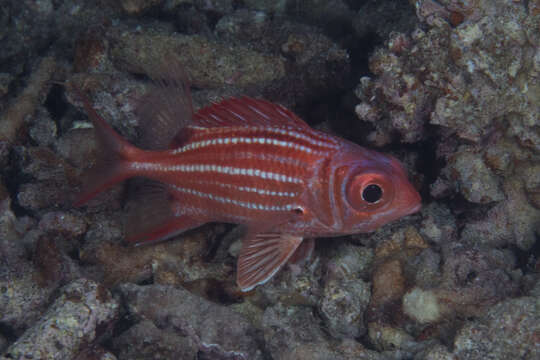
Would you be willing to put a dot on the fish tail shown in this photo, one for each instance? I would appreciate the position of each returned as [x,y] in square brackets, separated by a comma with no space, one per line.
[113,157]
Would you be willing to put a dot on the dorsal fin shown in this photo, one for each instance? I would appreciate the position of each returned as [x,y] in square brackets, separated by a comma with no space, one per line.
[166,108]
[247,111]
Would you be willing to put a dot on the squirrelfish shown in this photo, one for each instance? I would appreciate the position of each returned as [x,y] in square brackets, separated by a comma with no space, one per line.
[252,162]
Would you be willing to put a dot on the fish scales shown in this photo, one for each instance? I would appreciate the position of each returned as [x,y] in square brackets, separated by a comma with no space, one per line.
[224,176]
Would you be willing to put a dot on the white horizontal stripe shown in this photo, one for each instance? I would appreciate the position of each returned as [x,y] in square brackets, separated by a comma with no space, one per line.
[299,166]
[236,219]
[227,170]
[225,200]
[243,140]
[329,144]
[264,192]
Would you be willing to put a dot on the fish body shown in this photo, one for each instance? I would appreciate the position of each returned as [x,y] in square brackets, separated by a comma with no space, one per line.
[252,162]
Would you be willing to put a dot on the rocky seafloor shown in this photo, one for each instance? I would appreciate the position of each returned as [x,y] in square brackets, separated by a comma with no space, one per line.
[450,87]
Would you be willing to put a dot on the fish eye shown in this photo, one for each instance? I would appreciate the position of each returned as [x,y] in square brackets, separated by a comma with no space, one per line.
[372,193]
[369,190]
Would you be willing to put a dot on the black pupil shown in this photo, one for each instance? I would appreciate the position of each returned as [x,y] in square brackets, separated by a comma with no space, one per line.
[372,193]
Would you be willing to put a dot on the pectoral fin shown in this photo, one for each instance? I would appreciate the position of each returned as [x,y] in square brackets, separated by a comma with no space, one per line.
[261,257]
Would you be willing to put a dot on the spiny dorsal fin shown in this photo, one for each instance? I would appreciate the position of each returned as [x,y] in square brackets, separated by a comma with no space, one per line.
[247,111]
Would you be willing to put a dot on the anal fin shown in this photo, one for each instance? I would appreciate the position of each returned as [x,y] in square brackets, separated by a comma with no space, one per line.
[154,214]
[163,231]
[261,257]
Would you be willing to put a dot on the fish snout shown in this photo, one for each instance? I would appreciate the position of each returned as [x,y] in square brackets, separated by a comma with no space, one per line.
[410,201]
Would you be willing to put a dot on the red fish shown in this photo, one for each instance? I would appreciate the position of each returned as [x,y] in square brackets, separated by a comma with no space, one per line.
[252,162]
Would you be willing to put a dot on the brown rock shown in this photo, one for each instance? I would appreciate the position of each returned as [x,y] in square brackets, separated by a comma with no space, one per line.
[388,283]
[413,239]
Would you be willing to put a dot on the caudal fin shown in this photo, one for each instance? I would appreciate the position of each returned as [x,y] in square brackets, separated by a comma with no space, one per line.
[113,154]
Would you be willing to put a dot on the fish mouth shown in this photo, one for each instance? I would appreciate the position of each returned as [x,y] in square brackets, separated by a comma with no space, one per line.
[412,202]
[407,210]
[414,208]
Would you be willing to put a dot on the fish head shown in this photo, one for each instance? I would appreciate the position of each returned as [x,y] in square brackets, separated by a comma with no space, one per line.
[375,190]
